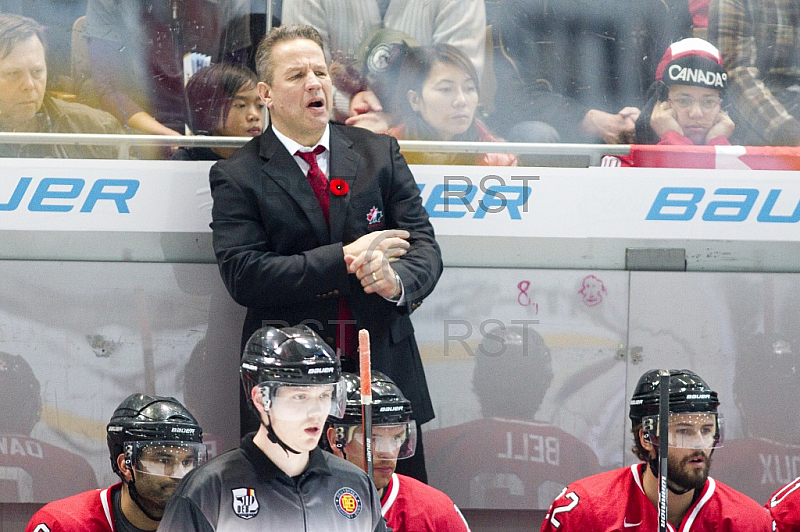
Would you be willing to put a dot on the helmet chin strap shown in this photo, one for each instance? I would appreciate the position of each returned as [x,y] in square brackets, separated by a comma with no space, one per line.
[274,438]
[135,497]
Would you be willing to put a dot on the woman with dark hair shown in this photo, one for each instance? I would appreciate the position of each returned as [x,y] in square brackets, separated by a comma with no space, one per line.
[223,102]
[438,89]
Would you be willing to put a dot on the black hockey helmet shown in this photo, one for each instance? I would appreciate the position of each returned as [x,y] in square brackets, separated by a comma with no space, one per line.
[144,418]
[389,408]
[22,402]
[290,356]
[389,405]
[688,393]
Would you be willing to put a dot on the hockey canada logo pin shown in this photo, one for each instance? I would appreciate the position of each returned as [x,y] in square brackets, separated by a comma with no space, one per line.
[374,217]
[245,503]
[348,503]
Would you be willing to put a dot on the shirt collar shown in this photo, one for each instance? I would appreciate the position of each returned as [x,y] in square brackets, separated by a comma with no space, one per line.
[292,146]
[266,469]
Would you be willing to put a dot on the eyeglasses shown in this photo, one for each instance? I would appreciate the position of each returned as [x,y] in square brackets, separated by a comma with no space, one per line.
[685,102]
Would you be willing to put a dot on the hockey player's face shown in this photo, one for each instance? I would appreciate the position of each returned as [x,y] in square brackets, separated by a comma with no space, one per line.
[386,443]
[298,414]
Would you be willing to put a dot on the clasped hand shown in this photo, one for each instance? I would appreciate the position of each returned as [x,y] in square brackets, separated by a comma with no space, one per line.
[370,258]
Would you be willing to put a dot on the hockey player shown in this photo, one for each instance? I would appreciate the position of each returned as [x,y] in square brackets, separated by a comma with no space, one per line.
[406,503]
[784,507]
[36,471]
[508,459]
[627,498]
[153,442]
[278,479]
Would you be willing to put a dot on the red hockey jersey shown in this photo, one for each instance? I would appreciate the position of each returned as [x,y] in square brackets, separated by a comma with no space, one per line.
[35,471]
[615,500]
[757,466]
[784,506]
[505,463]
[89,511]
[408,505]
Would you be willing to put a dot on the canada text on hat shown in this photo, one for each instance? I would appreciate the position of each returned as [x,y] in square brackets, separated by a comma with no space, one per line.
[692,62]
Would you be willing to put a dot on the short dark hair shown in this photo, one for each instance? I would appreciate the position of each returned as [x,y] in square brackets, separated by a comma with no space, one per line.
[277,35]
[211,91]
[16,28]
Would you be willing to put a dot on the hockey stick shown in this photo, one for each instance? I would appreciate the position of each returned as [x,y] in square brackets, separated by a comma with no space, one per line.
[365,370]
[663,448]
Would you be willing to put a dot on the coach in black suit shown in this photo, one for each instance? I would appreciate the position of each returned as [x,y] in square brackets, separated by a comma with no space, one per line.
[358,248]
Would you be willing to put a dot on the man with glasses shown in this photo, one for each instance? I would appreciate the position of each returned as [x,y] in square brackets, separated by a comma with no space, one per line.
[627,498]
[406,503]
[153,442]
[278,479]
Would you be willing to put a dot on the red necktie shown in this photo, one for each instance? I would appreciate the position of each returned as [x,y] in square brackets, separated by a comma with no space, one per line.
[346,332]
[317,179]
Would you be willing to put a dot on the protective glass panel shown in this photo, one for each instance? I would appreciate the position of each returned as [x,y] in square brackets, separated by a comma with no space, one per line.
[295,402]
[395,440]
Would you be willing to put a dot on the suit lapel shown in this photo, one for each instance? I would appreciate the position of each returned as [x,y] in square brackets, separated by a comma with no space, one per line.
[343,165]
[281,168]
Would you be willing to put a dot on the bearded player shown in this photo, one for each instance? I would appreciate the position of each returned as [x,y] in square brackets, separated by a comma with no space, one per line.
[627,498]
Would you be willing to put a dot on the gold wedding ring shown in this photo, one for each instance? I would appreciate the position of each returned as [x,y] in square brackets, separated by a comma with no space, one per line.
[374,277]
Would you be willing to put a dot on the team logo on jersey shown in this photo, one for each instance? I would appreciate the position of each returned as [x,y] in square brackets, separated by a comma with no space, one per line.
[245,503]
[348,502]
[374,216]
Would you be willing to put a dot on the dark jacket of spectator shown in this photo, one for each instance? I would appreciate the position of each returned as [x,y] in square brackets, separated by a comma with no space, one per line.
[59,116]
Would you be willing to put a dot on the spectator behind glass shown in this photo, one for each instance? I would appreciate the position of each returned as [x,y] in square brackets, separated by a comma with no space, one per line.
[345,26]
[223,102]
[760,46]
[581,67]
[684,105]
[137,48]
[39,472]
[25,106]
[441,88]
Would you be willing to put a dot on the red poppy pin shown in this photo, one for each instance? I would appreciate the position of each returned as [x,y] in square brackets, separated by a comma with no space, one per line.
[339,187]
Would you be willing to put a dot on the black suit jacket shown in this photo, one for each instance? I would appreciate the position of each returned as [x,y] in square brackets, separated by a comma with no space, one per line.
[279,259]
